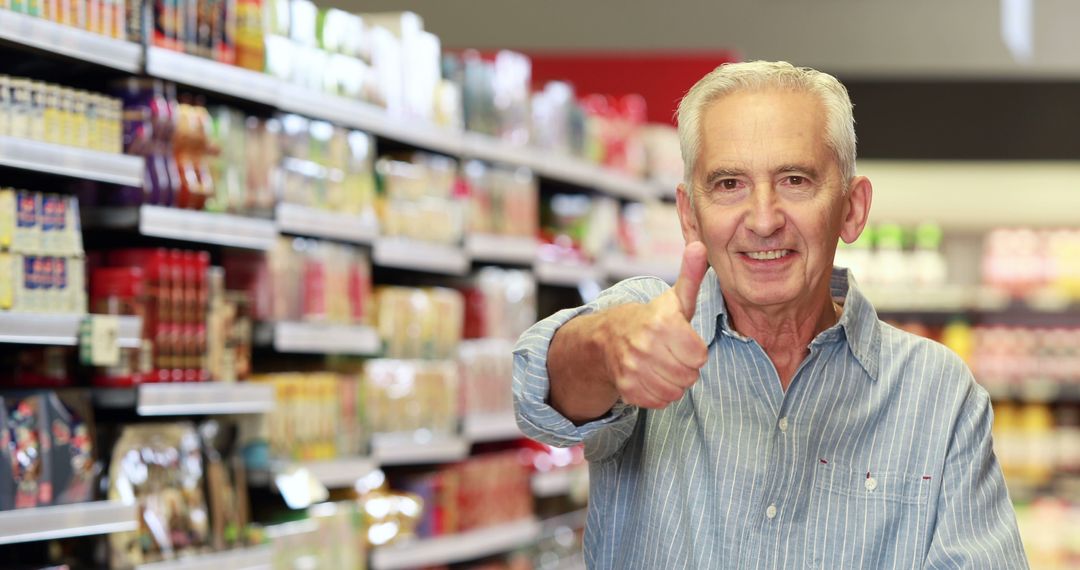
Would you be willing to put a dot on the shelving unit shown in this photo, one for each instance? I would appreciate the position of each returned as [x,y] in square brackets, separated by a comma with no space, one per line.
[60,330]
[618,267]
[558,481]
[396,450]
[480,428]
[418,255]
[501,249]
[566,274]
[319,338]
[65,521]
[318,223]
[252,558]
[187,225]
[456,548]
[70,161]
[70,42]
[212,76]
[189,398]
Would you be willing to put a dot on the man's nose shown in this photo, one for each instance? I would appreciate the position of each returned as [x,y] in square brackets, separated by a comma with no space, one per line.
[765,217]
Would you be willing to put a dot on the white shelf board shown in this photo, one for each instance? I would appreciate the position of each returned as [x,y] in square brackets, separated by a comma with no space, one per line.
[419,255]
[491,427]
[252,558]
[456,547]
[60,330]
[207,227]
[64,521]
[558,481]
[491,149]
[212,76]
[565,274]
[71,161]
[339,473]
[319,223]
[322,338]
[624,186]
[70,41]
[501,249]
[204,398]
[619,267]
[400,450]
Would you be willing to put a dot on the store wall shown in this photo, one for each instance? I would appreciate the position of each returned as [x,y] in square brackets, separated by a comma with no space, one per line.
[851,37]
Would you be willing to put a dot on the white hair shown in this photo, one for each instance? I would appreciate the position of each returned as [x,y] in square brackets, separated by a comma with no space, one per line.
[760,75]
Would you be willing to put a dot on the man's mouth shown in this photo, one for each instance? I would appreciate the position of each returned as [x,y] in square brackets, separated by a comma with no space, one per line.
[768,255]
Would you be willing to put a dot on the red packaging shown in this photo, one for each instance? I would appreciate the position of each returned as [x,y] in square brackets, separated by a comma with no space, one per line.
[123,291]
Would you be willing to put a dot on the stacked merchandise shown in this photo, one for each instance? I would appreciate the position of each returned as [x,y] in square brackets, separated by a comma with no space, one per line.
[42,266]
[191,498]
[105,17]
[331,536]
[1024,262]
[327,167]
[482,491]
[575,228]
[650,233]
[50,113]
[46,449]
[891,257]
[502,201]
[317,416]
[304,280]
[421,198]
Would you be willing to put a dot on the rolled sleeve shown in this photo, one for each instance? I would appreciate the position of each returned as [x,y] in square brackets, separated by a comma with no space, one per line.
[536,418]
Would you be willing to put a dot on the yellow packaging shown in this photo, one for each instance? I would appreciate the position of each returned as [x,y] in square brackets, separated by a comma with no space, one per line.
[5,104]
[7,217]
[67,115]
[19,124]
[52,115]
[115,141]
[80,129]
[7,281]
[36,98]
[94,21]
[93,122]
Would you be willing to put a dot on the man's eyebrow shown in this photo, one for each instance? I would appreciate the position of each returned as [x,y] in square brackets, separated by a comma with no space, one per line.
[719,173]
[804,168]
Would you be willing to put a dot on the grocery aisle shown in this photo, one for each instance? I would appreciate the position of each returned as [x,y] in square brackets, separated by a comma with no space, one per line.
[259,289]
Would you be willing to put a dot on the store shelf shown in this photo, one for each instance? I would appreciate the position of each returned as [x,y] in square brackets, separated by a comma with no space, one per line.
[491,149]
[319,223]
[71,161]
[65,521]
[501,249]
[558,482]
[339,473]
[212,76]
[319,338]
[457,547]
[418,255]
[619,267]
[254,558]
[399,450]
[479,428]
[187,225]
[60,330]
[69,41]
[566,274]
[1035,391]
[189,398]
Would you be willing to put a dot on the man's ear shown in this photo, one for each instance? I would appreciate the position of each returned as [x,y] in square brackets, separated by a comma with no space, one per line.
[856,208]
[687,215]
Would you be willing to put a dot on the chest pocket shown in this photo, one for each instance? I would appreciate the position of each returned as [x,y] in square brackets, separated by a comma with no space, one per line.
[863,520]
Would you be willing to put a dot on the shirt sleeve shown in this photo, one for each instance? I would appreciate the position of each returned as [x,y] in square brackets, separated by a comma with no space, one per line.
[976,525]
[536,418]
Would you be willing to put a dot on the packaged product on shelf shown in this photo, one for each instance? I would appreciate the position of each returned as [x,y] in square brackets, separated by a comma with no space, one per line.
[650,232]
[159,468]
[58,115]
[25,428]
[502,201]
[8,477]
[501,304]
[419,323]
[226,485]
[228,330]
[421,198]
[404,397]
[576,228]
[318,416]
[663,160]
[69,423]
[486,368]
[250,45]
[327,167]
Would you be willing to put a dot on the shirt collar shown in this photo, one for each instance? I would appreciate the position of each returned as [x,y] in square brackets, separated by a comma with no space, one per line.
[858,322]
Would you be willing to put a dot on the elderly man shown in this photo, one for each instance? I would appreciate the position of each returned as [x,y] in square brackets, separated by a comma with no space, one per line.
[758,414]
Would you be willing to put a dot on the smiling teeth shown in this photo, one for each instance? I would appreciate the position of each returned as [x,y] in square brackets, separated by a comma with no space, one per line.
[766,255]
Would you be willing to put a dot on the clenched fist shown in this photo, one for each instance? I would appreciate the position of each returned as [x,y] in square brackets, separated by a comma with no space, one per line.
[657,355]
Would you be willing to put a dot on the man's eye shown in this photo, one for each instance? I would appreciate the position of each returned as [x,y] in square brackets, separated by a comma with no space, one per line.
[728,184]
[795,180]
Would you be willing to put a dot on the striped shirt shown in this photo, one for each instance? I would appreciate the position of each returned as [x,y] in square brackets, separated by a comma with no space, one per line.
[878,455]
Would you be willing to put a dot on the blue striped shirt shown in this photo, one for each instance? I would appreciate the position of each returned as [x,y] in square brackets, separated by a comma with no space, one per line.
[878,455]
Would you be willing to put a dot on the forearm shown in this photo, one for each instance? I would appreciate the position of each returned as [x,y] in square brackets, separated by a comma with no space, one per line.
[581,385]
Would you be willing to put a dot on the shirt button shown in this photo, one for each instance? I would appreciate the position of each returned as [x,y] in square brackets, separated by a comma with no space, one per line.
[871,483]
[771,512]
[782,424]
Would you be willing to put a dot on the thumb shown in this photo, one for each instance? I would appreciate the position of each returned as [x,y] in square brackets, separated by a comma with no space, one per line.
[694,265]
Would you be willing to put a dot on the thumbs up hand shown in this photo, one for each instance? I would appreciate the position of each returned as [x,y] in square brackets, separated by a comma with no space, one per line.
[658,355]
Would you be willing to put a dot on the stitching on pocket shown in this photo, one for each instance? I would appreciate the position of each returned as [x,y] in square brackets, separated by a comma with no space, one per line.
[895,486]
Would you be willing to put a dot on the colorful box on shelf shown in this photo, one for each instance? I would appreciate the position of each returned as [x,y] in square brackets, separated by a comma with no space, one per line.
[69,41]
[415,255]
[456,548]
[319,223]
[71,161]
[64,521]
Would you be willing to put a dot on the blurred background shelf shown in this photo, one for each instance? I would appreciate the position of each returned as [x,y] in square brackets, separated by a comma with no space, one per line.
[455,548]
[416,255]
[189,398]
[70,42]
[314,222]
[70,161]
[60,329]
[64,521]
[318,338]
[250,558]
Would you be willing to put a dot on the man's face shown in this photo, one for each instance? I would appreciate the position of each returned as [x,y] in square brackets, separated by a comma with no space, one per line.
[770,199]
